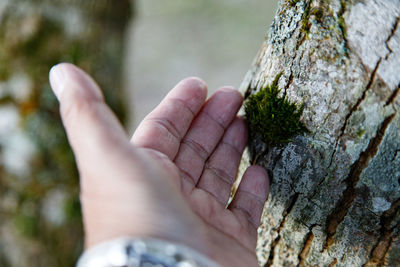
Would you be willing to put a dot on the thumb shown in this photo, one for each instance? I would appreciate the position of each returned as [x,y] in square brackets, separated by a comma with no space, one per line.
[91,126]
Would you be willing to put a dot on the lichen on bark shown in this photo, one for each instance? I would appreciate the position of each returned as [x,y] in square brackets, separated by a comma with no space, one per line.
[334,199]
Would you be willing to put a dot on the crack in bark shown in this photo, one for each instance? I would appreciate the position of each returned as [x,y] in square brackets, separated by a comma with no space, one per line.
[350,193]
[354,108]
[394,28]
[306,11]
[298,44]
[248,91]
[359,100]
[272,251]
[380,250]
[389,248]
[342,27]
[290,80]
[277,159]
[306,248]
[353,178]
[333,263]
[369,85]
[282,224]
[393,96]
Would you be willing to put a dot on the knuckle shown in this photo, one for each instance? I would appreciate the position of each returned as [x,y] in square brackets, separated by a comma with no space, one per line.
[168,126]
[220,173]
[183,106]
[199,149]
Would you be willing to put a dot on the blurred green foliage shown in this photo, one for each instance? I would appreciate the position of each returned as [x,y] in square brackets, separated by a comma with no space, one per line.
[41,220]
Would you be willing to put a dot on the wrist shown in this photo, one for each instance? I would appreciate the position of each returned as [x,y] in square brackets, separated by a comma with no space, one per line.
[130,252]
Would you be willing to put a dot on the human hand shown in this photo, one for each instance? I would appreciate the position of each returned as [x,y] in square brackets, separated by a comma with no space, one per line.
[173,179]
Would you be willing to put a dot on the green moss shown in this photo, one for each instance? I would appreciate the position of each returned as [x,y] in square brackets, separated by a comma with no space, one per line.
[342,26]
[305,23]
[318,13]
[274,117]
[292,3]
[360,133]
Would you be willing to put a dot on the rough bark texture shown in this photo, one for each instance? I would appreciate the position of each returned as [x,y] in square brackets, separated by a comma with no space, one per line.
[335,194]
[40,222]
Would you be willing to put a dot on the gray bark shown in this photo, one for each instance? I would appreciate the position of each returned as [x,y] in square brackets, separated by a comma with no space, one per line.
[335,194]
[40,223]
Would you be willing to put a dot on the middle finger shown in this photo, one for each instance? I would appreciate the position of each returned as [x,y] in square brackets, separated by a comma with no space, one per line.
[205,134]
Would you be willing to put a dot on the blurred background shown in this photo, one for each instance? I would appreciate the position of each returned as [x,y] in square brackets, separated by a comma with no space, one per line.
[171,40]
[137,51]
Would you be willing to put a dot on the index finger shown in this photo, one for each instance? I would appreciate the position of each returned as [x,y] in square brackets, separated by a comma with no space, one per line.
[164,128]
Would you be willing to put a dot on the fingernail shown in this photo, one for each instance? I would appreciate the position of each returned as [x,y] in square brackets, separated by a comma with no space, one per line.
[57,79]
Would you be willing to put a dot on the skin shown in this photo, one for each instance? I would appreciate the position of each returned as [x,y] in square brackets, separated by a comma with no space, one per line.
[173,178]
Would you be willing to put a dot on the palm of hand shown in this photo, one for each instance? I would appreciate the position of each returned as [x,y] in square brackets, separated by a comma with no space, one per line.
[205,142]
[184,160]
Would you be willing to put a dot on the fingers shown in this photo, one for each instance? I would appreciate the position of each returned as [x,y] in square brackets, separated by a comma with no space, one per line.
[250,197]
[220,170]
[205,133]
[91,126]
[166,125]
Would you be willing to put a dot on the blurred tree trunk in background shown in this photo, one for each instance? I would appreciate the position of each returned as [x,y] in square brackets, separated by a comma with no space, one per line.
[335,194]
[40,221]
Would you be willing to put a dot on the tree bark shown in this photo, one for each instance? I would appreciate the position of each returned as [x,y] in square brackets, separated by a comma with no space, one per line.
[335,193]
[40,221]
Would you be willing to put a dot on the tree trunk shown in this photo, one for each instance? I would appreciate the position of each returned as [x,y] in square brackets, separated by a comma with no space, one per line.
[335,193]
[40,223]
